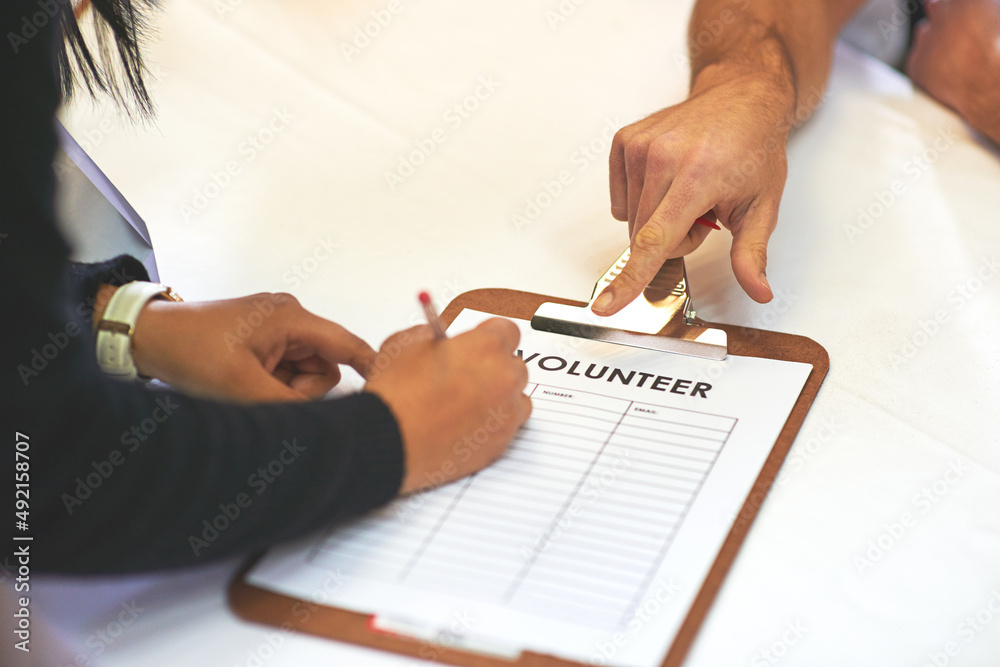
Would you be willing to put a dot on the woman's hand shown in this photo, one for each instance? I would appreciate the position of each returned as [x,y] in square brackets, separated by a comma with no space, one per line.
[458,402]
[259,348]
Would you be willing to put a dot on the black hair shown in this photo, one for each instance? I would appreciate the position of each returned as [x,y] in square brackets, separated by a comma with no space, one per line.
[117,68]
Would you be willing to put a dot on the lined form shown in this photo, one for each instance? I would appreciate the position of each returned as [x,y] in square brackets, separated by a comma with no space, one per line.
[594,480]
[619,489]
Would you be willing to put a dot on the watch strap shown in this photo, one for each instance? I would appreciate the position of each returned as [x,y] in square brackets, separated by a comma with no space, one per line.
[115,329]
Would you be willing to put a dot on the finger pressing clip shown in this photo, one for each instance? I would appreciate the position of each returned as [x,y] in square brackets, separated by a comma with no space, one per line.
[661,318]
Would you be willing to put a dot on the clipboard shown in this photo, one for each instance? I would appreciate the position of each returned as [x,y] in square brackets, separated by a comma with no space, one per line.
[675,320]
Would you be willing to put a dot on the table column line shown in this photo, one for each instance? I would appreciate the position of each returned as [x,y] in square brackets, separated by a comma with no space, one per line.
[405,572]
[668,542]
[512,589]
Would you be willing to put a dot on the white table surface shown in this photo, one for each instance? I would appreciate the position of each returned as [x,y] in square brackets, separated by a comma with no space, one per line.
[906,400]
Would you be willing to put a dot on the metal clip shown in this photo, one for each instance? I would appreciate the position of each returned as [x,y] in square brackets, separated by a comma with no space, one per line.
[661,318]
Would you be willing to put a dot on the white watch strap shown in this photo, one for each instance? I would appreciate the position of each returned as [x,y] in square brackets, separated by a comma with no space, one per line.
[114,331]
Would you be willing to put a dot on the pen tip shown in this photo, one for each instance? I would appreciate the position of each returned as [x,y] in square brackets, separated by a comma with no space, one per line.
[425,298]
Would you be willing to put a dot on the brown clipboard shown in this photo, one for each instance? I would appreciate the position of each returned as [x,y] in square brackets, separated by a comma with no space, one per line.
[268,607]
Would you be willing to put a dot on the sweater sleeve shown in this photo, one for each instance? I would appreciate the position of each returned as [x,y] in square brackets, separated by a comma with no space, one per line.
[122,478]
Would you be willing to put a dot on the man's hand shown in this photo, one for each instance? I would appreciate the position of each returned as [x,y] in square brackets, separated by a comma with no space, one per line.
[722,151]
[757,68]
[956,59]
[259,348]
[458,401]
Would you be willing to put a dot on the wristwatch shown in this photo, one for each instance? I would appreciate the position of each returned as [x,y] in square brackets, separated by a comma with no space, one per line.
[114,331]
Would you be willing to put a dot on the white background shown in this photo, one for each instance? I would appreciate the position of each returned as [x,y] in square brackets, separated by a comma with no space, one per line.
[904,399]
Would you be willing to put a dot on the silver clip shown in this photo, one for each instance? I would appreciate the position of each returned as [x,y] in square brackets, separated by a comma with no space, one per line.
[661,318]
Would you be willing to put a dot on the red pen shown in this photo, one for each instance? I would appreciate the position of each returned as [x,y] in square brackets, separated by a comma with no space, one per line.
[707,223]
[432,316]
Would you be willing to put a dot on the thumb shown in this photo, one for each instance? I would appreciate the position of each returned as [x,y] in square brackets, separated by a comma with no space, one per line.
[749,251]
[253,384]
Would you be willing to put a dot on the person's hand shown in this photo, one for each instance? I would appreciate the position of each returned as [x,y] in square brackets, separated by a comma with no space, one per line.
[458,401]
[259,348]
[722,152]
[956,59]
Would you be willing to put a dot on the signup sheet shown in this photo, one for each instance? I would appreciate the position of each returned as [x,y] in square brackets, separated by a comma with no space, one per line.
[590,538]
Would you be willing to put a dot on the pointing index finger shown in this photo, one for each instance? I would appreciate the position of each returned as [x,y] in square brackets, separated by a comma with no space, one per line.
[652,245]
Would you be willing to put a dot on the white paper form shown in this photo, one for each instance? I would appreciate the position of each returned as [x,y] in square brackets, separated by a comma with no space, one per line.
[591,537]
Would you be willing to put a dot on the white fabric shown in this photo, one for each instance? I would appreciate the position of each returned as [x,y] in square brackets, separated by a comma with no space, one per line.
[882,29]
[908,400]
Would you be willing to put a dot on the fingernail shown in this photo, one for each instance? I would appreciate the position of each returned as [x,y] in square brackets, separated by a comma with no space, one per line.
[763,281]
[604,301]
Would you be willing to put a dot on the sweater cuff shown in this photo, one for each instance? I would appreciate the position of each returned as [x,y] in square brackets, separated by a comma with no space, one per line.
[377,466]
[85,279]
